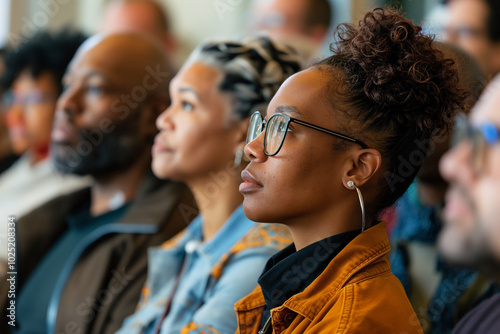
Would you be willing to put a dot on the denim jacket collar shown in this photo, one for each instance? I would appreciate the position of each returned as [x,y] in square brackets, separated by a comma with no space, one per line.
[172,253]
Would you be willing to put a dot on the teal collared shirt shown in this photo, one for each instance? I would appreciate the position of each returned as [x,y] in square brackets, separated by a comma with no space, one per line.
[35,296]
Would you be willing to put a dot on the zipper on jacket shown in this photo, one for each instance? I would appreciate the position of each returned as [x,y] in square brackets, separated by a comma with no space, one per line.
[266,326]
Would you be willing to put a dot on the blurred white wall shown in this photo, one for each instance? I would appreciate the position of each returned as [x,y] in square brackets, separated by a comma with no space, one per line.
[192,20]
[4,21]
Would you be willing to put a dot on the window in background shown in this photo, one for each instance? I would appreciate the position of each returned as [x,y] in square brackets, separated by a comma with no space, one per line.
[4,21]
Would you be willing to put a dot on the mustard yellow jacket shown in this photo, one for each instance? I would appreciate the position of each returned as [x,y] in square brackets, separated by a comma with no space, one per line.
[356,293]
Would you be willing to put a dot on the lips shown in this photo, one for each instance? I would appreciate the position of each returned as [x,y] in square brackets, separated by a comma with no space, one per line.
[249,183]
[160,146]
[16,132]
[458,206]
[63,132]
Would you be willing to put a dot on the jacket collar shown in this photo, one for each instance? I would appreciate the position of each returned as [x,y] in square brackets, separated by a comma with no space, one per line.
[154,200]
[352,264]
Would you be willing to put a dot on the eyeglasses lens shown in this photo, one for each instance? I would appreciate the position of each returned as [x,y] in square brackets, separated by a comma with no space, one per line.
[255,127]
[275,134]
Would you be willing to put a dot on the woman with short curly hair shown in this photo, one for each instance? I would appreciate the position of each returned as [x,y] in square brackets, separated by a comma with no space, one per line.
[341,141]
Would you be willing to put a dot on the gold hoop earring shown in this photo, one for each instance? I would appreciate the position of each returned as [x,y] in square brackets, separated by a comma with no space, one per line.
[351,184]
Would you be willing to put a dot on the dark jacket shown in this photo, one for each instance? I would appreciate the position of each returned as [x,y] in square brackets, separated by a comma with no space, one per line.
[105,276]
[484,319]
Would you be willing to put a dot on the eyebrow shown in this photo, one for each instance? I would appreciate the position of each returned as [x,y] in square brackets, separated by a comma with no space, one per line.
[93,74]
[69,76]
[286,109]
[190,90]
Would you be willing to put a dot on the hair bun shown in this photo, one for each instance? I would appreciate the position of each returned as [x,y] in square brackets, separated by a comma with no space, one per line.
[396,66]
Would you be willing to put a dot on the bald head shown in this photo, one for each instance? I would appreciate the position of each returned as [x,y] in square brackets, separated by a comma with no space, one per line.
[127,59]
[146,16]
[293,18]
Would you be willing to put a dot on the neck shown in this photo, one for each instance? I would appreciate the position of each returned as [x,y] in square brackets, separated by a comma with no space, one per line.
[112,191]
[39,153]
[216,202]
[336,219]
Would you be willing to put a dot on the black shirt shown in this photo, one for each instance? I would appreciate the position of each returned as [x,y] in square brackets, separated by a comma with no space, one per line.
[289,271]
[484,319]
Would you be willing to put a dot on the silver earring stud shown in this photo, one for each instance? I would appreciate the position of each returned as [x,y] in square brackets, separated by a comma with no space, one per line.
[350,184]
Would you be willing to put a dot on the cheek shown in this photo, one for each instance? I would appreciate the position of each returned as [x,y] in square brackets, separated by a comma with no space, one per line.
[489,211]
[197,150]
[39,122]
[193,143]
[95,111]
[15,117]
[294,186]
[183,145]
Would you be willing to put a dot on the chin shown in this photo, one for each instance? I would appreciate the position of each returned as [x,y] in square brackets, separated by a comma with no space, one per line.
[256,213]
[452,247]
[161,174]
[19,148]
[159,169]
[251,212]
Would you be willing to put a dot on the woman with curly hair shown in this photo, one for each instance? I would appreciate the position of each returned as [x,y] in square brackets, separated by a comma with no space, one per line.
[195,279]
[341,141]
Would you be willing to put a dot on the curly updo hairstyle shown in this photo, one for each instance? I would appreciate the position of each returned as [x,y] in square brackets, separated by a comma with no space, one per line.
[252,69]
[400,90]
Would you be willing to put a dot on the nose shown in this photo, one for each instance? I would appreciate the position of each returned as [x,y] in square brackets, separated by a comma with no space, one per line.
[255,149]
[164,121]
[455,165]
[68,103]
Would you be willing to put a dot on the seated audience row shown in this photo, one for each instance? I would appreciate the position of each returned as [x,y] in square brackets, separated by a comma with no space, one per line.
[244,173]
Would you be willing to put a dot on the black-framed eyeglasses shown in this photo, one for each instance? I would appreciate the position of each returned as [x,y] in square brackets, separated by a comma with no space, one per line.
[277,127]
[480,137]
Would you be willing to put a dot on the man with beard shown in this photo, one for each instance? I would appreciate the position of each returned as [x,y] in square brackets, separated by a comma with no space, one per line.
[81,259]
[471,235]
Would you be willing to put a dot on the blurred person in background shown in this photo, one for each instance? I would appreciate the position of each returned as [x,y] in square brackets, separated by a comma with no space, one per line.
[303,24]
[428,281]
[147,16]
[195,279]
[471,234]
[7,157]
[82,257]
[31,84]
[474,25]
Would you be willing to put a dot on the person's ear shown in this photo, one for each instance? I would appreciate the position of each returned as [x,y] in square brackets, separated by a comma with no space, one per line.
[363,165]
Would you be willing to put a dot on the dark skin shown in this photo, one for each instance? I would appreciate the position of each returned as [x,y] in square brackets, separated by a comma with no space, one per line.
[305,185]
[104,70]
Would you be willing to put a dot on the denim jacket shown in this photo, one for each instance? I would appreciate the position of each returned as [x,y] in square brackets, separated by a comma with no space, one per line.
[215,275]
